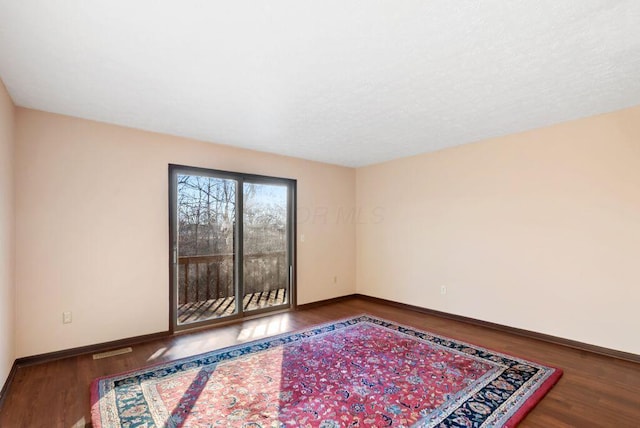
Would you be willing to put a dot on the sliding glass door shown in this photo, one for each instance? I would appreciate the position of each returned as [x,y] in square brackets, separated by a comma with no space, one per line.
[266,270]
[231,245]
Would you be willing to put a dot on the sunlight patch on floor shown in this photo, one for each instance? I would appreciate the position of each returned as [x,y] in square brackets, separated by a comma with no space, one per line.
[81,423]
[270,328]
[157,354]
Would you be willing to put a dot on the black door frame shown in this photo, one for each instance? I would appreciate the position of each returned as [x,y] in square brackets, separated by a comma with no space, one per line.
[241,178]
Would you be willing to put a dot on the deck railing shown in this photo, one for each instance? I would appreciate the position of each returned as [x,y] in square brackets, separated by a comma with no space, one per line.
[212,276]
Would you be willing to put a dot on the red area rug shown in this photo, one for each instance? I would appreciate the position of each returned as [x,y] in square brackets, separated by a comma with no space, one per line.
[362,371]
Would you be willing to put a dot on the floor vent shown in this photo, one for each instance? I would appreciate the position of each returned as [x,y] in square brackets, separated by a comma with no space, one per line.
[112,353]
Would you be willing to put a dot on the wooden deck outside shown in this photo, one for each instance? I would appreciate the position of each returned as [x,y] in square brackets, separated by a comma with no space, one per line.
[225,306]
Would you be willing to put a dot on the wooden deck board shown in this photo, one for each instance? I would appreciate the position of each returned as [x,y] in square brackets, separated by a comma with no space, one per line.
[225,306]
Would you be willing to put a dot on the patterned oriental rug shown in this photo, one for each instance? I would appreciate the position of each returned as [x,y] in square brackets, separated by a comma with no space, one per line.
[362,371]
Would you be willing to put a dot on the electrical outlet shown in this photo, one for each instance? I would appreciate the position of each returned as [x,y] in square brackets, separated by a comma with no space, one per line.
[66,317]
[443,289]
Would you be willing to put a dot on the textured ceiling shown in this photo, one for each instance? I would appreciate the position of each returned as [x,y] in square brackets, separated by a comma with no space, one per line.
[350,82]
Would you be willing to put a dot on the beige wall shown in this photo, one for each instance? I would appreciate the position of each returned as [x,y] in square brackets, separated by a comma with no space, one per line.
[92,227]
[539,230]
[7,228]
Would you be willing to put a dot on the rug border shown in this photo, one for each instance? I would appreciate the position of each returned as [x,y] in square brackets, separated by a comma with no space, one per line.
[535,398]
[514,420]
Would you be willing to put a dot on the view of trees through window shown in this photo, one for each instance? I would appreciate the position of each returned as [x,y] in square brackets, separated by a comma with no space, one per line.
[206,215]
[207,218]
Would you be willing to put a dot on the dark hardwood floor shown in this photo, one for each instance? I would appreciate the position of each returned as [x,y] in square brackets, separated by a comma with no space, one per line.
[595,391]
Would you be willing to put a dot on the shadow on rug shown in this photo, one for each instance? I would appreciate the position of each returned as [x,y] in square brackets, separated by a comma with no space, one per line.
[362,371]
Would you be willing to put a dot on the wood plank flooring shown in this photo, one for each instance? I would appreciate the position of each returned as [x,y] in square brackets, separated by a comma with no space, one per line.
[595,391]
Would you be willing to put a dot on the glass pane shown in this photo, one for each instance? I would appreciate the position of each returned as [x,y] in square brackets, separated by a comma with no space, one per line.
[266,267]
[206,248]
